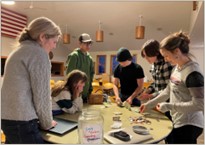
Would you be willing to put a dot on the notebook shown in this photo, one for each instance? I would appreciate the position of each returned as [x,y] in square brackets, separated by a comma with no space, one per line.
[63,126]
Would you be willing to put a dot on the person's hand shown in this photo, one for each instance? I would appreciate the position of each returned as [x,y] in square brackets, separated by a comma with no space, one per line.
[78,89]
[118,101]
[76,92]
[53,124]
[158,107]
[142,108]
[129,100]
[163,107]
[145,96]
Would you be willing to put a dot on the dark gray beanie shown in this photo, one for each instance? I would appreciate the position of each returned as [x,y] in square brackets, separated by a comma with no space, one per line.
[123,54]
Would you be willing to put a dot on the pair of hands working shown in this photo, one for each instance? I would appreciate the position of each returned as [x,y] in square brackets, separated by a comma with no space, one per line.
[161,107]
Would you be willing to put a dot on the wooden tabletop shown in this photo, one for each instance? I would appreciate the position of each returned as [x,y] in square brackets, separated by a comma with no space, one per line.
[159,128]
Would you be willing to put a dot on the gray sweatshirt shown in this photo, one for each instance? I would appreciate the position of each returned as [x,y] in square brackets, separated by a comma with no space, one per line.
[186,93]
[26,85]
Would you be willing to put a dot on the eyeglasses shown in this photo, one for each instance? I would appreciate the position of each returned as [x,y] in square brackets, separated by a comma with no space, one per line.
[87,43]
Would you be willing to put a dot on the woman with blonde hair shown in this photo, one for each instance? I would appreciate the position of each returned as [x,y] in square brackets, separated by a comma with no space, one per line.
[67,95]
[25,92]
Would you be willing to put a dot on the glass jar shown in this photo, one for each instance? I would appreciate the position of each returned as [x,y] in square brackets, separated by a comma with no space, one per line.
[90,127]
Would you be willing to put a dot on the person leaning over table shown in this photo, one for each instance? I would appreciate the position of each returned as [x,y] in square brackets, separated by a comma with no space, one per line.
[130,76]
[160,70]
[66,95]
[185,90]
[25,96]
[82,60]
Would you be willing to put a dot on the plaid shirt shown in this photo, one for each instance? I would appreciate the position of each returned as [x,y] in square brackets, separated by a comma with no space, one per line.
[161,72]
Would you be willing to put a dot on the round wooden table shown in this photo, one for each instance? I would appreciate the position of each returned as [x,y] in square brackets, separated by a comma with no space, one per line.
[159,128]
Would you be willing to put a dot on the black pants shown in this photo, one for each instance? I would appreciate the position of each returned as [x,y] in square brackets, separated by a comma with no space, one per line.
[21,132]
[187,134]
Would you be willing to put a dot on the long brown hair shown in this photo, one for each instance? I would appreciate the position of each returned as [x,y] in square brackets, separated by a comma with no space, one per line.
[72,79]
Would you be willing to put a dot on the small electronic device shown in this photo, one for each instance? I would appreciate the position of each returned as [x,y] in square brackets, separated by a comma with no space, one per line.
[122,135]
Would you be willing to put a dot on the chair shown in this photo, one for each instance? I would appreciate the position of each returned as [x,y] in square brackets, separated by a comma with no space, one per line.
[3,137]
[52,83]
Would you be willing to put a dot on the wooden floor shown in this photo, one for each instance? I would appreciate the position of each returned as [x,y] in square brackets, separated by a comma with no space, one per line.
[200,139]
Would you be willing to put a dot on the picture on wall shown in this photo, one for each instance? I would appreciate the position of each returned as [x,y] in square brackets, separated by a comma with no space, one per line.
[101,64]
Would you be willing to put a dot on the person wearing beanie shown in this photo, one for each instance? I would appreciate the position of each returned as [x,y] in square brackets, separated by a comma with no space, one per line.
[130,76]
[80,59]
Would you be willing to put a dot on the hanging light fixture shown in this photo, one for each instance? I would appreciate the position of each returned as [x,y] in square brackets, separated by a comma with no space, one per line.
[99,34]
[66,36]
[140,30]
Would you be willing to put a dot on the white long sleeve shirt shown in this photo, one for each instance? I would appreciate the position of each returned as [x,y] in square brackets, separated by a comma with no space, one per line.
[186,93]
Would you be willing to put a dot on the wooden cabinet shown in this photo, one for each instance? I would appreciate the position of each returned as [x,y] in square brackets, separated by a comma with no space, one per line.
[57,68]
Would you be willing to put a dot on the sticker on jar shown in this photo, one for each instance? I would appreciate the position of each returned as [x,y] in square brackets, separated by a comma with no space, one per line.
[92,134]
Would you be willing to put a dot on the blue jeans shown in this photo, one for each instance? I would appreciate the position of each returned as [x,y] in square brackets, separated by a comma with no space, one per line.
[21,132]
[57,112]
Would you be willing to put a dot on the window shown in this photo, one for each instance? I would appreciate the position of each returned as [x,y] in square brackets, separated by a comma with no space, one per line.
[101,64]
[113,63]
[134,58]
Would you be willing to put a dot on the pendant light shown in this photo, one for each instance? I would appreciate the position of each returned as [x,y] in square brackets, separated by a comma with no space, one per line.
[66,36]
[194,5]
[140,30]
[99,34]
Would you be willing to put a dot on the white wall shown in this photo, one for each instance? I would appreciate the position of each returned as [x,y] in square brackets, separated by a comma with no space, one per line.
[198,53]
[194,16]
[7,45]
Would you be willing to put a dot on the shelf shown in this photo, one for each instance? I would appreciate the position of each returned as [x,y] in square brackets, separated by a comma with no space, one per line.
[57,68]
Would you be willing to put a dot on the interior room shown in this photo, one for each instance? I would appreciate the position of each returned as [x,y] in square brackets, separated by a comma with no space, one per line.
[111,25]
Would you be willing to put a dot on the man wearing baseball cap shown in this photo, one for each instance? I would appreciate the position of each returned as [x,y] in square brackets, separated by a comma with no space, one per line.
[80,59]
[130,76]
